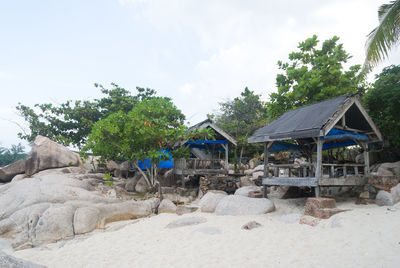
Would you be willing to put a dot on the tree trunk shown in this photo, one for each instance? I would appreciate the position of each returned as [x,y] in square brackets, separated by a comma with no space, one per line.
[143,174]
[241,154]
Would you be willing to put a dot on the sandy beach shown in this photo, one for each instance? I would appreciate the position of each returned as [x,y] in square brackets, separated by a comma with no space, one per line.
[364,236]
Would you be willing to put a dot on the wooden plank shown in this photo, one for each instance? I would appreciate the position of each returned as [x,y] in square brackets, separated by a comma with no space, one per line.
[266,159]
[369,120]
[348,181]
[332,122]
[292,181]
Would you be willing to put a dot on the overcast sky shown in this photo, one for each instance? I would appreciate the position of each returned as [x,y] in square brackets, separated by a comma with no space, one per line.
[197,52]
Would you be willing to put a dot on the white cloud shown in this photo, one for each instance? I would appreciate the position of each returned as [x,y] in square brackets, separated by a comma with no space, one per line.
[5,75]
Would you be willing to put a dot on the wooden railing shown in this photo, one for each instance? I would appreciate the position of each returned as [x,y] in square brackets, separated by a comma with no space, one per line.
[308,170]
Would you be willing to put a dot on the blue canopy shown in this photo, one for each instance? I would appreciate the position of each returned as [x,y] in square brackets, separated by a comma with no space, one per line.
[163,163]
[283,146]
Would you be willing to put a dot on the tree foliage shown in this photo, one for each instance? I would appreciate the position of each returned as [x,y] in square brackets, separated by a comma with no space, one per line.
[241,116]
[383,103]
[8,156]
[72,121]
[152,126]
[385,36]
[314,74]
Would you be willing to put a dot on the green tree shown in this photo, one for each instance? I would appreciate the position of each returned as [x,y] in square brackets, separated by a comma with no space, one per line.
[151,126]
[241,116]
[8,156]
[72,121]
[314,74]
[385,36]
[383,103]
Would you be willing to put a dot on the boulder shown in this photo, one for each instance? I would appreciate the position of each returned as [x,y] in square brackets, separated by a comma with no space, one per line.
[186,222]
[259,168]
[111,166]
[244,191]
[253,163]
[395,191]
[166,206]
[47,154]
[210,201]
[248,172]
[257,174]
[384,198]
[389,169]
[245,181]
[131,183]
[141,185]
[7,261]
[241,205]
[322,208]
[9,171]
[51,207]
[91,163]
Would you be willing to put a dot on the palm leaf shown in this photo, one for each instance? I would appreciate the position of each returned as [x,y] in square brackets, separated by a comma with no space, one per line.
[385,36]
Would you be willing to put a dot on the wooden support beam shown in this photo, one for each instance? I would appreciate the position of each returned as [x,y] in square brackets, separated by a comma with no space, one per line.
[266,173]
[226,147]
[366,159]
[318,171]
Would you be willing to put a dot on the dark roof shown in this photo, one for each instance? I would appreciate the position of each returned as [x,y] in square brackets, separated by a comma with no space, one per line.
[303,122]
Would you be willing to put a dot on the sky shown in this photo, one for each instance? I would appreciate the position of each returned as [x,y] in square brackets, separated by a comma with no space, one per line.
[199,53]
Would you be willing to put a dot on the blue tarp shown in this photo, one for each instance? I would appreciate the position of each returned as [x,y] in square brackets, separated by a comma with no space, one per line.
[163,163]
[207,142]
[337,134]
[283,146]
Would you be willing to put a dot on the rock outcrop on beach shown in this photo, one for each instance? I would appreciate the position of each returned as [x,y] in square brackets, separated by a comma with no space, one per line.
[241,205]
[210,200]
[54,205]
[11,170]
[47,154]
[7,261]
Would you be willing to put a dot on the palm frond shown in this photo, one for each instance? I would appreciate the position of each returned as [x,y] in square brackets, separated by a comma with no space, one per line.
[385,36]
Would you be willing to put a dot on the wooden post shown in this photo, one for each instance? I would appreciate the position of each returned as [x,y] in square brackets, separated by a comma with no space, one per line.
[226,156]
[318,171]
[366,159]
[344,171]
[332,171]
[266,173]
[356,170]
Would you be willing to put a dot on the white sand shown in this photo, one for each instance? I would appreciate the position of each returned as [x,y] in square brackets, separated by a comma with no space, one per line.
[367,236]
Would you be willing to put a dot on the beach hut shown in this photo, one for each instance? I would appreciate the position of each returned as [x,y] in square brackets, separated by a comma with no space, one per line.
[206,154]
[333,123]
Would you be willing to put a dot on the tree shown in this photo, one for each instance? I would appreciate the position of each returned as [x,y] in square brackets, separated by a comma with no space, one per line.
[383,103]
[72,121]
[152,126]
[384,37]
[241,117]
[8,156]
[314,74]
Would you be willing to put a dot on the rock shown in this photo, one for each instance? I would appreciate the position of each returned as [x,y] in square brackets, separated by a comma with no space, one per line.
[384,198]
[7,261]
[395,191]
[248,172]
[253,163]
[208,230]
[111,166]
[259,168]
[258,174]
[47,154]
[5,246]
[245,181]
[244,191]
[47,208]
[364,195]
[209,201]
[389,169]
[290,218]
[18,177]
[141,185]
[241,205]
[186,222]
[218,192]
[309,220]
[166,206]
[86,219]
[9,171]
[131,183]
[183,209]
[322,208]
[251,225]
[91,163]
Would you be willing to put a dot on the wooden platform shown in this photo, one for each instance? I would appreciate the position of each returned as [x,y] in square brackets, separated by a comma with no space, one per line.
[291,181]
[313,182]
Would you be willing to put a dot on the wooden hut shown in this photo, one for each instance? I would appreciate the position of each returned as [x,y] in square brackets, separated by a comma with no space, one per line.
[333,123]
[206,154]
